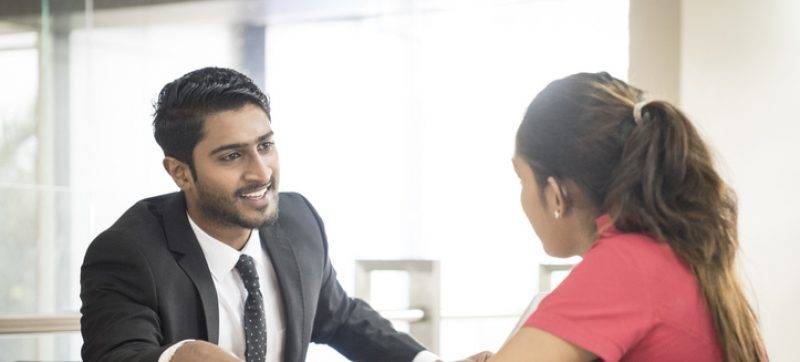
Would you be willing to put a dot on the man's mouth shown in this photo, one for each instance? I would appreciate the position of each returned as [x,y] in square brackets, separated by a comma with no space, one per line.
[258,193]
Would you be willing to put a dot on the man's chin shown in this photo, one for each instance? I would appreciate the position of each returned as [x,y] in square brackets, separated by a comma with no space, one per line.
[267,218]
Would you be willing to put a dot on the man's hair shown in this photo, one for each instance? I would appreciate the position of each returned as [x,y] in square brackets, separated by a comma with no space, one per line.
[185,103]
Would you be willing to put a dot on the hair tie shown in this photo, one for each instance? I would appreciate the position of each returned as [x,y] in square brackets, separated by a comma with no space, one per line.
[637,112]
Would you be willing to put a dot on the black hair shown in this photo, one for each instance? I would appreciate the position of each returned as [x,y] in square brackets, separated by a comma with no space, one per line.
[185,103]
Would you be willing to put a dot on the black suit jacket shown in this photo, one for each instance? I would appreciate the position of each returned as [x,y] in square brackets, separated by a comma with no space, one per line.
[145,285]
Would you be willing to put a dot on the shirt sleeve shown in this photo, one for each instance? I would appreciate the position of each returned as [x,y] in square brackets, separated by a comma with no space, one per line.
[166,356]
[426,356]
[603,306]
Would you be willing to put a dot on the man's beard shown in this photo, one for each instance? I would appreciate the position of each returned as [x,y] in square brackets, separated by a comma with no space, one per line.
[221,208]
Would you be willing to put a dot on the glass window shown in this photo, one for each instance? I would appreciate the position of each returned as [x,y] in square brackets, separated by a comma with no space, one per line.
[399,126]
[396,119]
[76,144]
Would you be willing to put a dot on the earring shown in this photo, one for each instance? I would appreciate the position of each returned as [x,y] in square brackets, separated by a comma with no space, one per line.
[557,214]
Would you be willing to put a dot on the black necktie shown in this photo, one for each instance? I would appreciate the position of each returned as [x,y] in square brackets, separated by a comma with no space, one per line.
[255,326]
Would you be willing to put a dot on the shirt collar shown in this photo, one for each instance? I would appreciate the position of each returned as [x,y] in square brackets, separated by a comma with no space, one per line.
[605,226]
[220,257]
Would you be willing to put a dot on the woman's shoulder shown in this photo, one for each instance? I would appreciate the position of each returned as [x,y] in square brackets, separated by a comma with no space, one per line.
[641,263]
[633,246]
[632,250]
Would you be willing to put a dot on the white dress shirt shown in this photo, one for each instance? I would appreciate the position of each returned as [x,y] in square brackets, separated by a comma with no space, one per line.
[231,297]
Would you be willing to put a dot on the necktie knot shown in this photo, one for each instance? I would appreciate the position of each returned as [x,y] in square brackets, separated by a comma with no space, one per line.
[246,267]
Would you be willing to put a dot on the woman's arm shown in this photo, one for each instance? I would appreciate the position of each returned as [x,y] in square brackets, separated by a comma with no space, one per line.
[533,344]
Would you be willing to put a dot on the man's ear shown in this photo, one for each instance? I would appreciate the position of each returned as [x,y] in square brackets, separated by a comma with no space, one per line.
[179,171]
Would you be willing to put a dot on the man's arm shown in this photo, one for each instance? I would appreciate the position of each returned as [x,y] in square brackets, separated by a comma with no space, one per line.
[356,330]
[351,326]
[118,321]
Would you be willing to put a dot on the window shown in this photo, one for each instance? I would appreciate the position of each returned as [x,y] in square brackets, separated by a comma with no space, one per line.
[396,119]
[399,127]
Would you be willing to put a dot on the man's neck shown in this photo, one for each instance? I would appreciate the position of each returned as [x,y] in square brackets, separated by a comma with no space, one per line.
[232,235]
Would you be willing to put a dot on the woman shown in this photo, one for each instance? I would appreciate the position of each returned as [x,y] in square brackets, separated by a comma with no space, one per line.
[631,187]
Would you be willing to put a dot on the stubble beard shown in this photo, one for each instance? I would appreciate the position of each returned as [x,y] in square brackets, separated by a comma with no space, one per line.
[221,208]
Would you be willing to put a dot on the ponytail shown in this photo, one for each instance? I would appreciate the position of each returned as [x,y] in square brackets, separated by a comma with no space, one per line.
[665,185]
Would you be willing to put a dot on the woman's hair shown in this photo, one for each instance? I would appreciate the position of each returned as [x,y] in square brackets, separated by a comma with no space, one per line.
[645,165]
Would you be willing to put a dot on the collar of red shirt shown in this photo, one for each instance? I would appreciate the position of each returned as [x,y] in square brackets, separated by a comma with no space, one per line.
[605,226]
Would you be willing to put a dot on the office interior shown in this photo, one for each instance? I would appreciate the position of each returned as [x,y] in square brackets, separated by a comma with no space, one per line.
[396,118]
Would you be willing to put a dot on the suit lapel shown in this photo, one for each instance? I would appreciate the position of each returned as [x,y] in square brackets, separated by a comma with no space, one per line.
[287,269]
[181,240]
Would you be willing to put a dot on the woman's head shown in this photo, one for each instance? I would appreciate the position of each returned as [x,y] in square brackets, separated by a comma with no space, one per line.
[588,146]
[570,141]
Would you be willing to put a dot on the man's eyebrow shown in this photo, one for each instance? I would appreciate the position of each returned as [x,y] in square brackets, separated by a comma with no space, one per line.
[233,146]
[266,136]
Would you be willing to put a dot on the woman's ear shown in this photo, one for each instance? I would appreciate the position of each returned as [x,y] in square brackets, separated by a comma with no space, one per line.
[557,194]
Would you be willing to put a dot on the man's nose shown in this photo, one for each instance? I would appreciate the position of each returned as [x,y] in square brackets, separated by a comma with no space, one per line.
[258,170]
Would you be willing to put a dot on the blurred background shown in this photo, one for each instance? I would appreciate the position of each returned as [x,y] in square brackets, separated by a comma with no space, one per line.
[396,118]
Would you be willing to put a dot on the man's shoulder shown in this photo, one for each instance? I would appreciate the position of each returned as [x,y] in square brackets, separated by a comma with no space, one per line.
[293,206]
[297,215]
[149,211]
[142,222]
[291,198]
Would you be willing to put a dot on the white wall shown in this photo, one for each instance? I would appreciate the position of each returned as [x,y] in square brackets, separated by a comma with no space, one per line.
[655,47]
[740,82]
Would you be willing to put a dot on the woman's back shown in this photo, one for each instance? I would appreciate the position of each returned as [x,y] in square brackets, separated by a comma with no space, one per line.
[632,299]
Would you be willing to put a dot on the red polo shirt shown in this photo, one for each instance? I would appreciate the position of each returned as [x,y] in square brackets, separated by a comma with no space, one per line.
[630,299]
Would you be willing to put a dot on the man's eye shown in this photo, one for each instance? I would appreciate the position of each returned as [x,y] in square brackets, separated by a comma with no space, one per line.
[265,146]
[230,156]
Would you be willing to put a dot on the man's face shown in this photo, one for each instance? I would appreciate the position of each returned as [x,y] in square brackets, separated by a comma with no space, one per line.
[236,166]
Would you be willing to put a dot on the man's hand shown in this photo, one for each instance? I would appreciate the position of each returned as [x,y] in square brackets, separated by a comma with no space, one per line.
[202,351]
[480,357]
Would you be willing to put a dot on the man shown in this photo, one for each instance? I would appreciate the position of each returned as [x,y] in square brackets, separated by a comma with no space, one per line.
[227,268]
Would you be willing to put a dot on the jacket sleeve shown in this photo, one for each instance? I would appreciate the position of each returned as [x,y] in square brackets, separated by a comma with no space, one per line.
[351,326]
[118,313]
